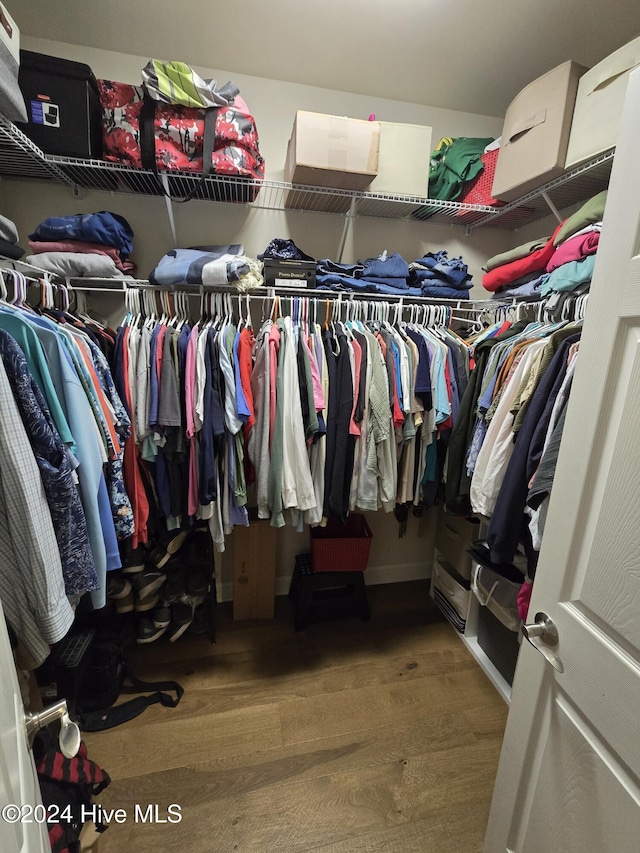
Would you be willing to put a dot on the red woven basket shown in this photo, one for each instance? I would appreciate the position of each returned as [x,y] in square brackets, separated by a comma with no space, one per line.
[478,190]
[341,547]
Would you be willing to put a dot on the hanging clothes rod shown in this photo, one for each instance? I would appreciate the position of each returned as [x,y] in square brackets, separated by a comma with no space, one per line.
[334,295]
[117,285]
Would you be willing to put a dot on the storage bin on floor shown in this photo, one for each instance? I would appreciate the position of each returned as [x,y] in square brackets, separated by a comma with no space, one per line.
[452,593]
[499,643]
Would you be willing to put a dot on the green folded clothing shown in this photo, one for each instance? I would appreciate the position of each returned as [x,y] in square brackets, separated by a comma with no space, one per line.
[453,163]
[590,212]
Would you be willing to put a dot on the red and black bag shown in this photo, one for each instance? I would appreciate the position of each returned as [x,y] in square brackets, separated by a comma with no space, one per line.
[146,134]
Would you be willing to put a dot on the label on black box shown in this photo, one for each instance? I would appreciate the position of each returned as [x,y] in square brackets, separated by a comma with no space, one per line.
[290,282]
[45,113]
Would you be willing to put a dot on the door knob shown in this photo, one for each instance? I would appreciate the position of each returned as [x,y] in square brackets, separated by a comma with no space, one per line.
[543,636]
[69,737]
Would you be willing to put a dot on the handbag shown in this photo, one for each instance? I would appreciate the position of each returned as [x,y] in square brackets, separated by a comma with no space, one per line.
[104,680]
[143,133]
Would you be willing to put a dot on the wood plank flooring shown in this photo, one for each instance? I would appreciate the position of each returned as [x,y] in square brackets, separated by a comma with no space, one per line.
[350,737]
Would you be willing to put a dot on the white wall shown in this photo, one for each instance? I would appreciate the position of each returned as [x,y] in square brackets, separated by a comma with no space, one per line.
[274,104]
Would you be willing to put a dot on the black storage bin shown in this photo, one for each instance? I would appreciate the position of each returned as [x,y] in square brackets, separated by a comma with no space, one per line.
[289,273]
[63,106]
[499,643]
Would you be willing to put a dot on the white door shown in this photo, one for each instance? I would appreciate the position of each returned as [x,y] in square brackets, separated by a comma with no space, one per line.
[569,772]
[21,829]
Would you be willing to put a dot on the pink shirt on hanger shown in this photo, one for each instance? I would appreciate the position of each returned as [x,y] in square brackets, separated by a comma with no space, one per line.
[274,348]
[190,381]
[318,395]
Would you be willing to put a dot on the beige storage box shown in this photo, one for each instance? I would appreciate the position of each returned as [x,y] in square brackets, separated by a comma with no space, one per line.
[451,593]
[12,104]
[453,536]
[403,163]
[535,134]
[332,151]
[601,94]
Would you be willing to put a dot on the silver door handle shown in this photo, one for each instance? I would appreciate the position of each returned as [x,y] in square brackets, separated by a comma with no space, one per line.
[69,737]
[543,636]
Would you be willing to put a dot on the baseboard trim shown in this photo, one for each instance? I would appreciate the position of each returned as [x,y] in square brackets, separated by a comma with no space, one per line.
[374,575]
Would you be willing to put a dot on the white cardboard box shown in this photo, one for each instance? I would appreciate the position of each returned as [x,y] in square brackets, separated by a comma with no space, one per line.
[403,162]
[601,93]
[332,151]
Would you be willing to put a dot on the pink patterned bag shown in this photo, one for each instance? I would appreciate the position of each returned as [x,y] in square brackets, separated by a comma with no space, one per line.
[179,134]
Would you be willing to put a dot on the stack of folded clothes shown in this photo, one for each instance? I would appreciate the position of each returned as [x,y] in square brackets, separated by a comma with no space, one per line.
[213,266]
[571,266]
[440,277]
[520,272]
[9,240]
[282,249]
[560,263]
[385,274]
[87,245]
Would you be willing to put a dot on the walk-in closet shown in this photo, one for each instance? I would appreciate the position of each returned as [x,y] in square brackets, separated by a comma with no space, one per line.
[319,393]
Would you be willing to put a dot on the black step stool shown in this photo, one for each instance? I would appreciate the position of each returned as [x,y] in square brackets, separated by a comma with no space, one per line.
[317,595]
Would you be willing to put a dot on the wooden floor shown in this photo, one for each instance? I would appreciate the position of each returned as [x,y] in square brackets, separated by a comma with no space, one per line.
[351,737]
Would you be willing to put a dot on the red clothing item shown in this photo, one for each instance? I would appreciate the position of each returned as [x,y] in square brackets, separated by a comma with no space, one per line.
[245,358]
[103,404]
[78,247]
[524,599]
[508,273]
[398,414]
[245,363]
[159,348]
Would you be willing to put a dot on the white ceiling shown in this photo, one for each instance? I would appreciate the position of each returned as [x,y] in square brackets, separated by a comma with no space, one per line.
[469,55]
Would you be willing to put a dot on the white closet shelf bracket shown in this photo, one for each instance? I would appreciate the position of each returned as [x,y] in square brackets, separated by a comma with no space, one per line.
[347,228]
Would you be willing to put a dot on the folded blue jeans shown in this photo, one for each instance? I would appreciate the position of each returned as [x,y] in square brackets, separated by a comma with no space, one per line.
[393,266]
[399,283]
[441,292]
[332,281]
[328,266]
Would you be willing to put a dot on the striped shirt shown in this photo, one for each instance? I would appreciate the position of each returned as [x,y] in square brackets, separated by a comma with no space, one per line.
[31,581]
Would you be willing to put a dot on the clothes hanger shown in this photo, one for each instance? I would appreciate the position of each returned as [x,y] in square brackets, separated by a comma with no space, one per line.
[178,307]
[240,314]
[4,296]
[249,321]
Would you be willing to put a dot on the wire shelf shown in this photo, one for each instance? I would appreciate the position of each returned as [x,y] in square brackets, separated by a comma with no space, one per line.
[569,189]
[263,195]
[20,158]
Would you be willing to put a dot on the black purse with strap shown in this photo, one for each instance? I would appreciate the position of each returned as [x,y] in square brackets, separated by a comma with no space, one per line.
[107,676]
